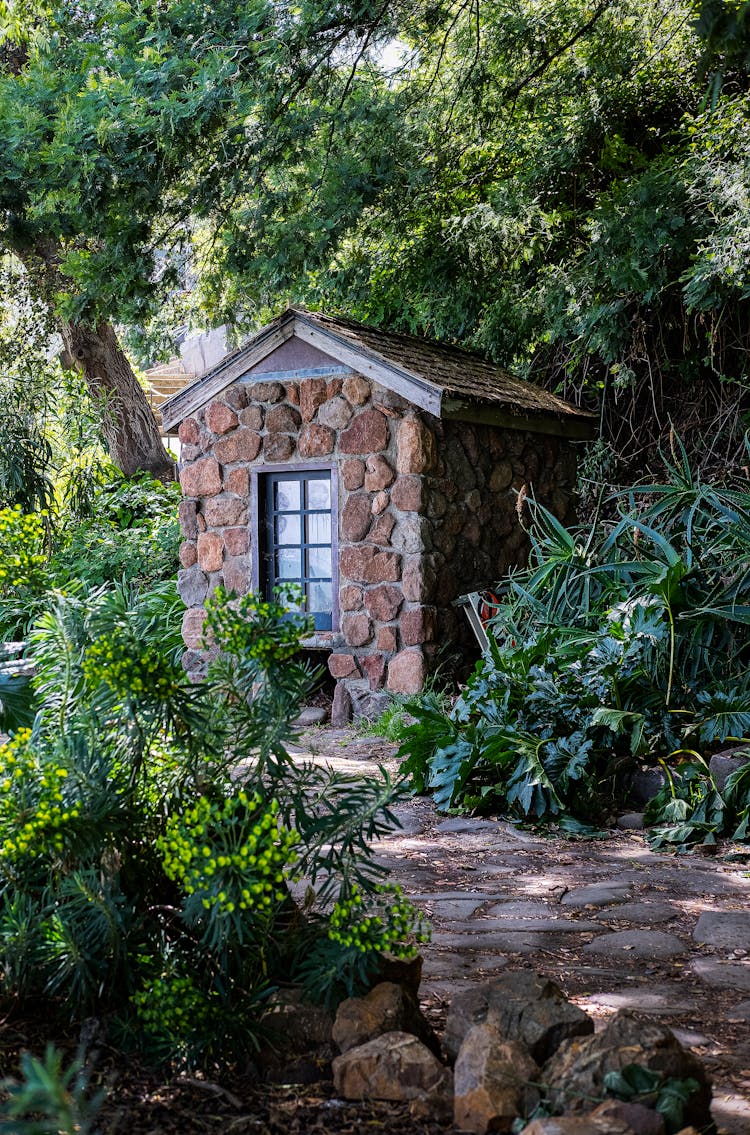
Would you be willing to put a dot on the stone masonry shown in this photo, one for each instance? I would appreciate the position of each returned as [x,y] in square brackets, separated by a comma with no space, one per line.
[427,511]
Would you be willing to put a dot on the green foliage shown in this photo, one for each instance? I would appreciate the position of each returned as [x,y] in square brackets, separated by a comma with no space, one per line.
[132,533]
[397,715]
[638,1084]
[49,1099]
[615,647]
[151,827]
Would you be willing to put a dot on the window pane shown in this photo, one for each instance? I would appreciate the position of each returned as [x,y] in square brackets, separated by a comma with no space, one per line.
[319,597]
[288,529]
[319,493]
[288,563]
[287,495]
[319,563]
[319,528]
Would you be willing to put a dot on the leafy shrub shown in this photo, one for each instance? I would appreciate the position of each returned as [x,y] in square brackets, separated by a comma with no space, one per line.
[151,828]
[617,647]
[23,568]
[133,535]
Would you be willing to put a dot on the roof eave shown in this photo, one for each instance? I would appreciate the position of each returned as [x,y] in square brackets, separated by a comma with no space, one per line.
[581,426]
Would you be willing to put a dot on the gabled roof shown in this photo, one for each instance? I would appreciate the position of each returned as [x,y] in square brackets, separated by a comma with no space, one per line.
[443,380]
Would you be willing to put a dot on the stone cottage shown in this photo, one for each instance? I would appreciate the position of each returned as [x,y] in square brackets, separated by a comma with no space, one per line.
[378,471]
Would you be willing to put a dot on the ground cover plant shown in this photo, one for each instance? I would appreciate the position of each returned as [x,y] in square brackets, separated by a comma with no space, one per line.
[624,645]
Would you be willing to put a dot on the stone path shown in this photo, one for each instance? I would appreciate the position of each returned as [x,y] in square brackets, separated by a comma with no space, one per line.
[616,924]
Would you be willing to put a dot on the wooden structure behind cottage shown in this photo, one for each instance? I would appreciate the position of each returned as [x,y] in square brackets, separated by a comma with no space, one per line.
[379,471]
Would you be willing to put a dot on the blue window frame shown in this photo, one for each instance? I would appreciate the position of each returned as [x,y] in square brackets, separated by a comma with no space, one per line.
[299,538]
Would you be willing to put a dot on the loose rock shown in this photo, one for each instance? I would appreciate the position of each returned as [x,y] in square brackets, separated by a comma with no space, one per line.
[386,1008]
[521,1006]
[490,1088]
[394,1066]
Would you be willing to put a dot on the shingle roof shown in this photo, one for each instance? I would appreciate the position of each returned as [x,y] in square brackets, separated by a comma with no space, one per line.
[431,374]
[458,372]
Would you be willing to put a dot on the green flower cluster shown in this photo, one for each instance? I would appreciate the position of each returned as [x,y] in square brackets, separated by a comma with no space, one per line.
[231,855]
[172,1005]
[22,562]
[129,669]
[383,922]
[34,814]
[254,627]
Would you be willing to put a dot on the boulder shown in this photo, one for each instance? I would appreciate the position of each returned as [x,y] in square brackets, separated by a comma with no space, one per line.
[388,1007]
[722,765]
[300,1047]
[576,1072]
[492,1082]
[521,1006]
[393,1066]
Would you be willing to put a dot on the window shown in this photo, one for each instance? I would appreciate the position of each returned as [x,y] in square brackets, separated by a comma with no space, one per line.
[299,538]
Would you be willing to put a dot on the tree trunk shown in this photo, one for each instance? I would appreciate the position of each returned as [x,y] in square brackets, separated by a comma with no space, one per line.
[129,424]
[130,427]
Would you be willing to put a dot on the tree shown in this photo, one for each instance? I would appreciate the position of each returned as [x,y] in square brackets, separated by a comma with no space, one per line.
[127,127]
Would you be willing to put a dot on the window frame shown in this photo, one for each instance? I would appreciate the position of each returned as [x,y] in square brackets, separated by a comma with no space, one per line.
[258,487]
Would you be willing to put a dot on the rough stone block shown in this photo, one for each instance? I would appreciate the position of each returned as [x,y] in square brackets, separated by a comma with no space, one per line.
[210,551]
[387,639]
[237,540]
[384,602]
[415,583]
[722,765]
[192,627]
[188,553]
[235,396]
[335,413]
[278,447]
[489,1090]
[416,447]
[283,420]
[502,477]
[353,473]
[220,511]
[188,433]
[188,514]
[192,586]
[380,533]
[242,445]
[373,666]
[406,672]
[237,481]
[409,534]
[333,387]
[316,441]
[236,575]
[356,390]
[312,393]
[379,474]
[252,417]
[292,394]
[417,626]
[343,666]
[406,493]
[368,433]
[201,479]
[220,419]
[366,565]
[265,392]
[357,629]
[379,503]
[351,598]
[341,710]
[356,518]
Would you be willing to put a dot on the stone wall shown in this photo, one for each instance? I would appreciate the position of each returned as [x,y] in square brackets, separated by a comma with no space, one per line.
[427,510]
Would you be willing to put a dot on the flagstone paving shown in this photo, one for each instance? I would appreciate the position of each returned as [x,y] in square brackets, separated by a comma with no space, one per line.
[582,913]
